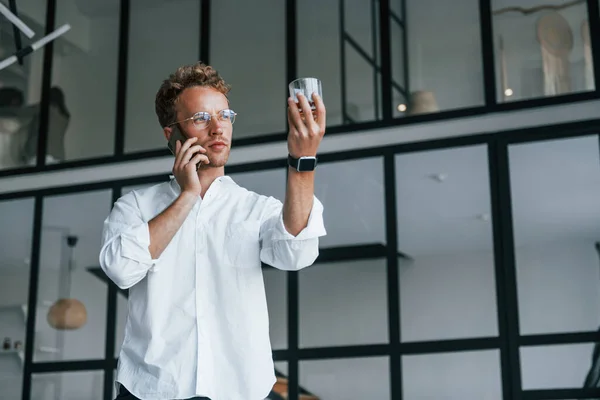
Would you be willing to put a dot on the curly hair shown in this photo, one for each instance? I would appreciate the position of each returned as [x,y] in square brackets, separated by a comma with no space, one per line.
[198,74]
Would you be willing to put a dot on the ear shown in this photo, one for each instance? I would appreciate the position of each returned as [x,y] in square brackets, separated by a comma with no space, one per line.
[167,131]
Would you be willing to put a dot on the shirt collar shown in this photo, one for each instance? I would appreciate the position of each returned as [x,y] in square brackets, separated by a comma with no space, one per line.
[177,189]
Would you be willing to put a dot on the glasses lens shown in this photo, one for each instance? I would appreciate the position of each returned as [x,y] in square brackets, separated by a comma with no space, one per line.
[201,118]
[227,115]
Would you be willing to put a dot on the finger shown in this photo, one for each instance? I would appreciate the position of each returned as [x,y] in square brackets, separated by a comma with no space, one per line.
[306,109]
[186,145]
[189,153]
[321,112]
[199,158]
[294,116]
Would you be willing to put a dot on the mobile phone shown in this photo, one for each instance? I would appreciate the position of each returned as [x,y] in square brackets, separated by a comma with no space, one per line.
[175,136]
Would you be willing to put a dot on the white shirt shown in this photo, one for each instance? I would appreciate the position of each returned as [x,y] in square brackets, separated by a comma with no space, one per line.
[198,322]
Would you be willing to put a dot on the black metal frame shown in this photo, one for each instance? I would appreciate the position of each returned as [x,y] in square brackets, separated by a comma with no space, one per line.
[508,341]
[384,71]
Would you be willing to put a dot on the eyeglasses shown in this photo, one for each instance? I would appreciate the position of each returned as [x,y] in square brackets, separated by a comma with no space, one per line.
[202,118]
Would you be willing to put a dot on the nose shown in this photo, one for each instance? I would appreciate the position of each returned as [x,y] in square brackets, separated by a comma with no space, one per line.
[216,126]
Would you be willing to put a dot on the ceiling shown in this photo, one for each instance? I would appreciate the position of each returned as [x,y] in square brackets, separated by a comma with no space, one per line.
[443,201]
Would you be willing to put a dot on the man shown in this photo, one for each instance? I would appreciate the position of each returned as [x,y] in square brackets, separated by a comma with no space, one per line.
[190,252]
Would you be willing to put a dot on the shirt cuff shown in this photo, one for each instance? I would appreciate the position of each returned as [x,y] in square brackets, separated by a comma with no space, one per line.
[314,228]
[134,245]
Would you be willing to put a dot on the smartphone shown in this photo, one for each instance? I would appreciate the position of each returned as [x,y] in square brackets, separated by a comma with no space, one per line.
[175,136]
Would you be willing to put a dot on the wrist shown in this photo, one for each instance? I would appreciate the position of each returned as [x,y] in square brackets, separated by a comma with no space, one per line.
[188,196]
[303,163]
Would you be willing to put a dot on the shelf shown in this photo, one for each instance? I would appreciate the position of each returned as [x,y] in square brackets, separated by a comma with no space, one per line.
[23,307]
[18,353]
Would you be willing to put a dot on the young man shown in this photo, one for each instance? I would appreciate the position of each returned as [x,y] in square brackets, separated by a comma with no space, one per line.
[190,251]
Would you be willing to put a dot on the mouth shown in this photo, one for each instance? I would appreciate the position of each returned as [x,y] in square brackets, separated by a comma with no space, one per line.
[218,145]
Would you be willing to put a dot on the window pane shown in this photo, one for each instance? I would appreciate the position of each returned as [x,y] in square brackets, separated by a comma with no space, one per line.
[250,55]
[318,32]
[348,379]
[444,56]
[558,366]
[68,386]
[447,283]
[542,53]
[276,291]
[465,375]
[20,90]
[555,189]
[84,83]
[176,45]
[352,216]
[343,303]
[319,28]
[77,296]
[16,224]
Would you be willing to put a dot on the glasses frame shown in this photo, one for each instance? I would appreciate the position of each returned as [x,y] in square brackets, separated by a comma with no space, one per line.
[208,121]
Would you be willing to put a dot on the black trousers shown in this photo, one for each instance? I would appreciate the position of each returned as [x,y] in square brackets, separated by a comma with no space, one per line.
[125,395]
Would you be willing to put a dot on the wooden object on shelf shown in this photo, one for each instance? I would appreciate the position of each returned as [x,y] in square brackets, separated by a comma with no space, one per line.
[422,102]
[67,314]
[281,388]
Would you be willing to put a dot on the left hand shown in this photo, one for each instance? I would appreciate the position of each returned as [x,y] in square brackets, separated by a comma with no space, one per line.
[306,129]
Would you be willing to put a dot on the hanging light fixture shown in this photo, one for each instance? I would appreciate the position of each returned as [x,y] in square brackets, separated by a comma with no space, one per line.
[67,313]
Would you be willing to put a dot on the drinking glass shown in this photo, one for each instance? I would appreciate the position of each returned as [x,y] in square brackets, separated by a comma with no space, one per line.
[306,86]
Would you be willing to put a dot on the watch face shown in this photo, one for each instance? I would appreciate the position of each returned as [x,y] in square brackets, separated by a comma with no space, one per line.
[307,164]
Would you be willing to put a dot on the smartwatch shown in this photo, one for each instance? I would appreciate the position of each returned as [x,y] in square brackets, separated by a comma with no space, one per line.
[302,164]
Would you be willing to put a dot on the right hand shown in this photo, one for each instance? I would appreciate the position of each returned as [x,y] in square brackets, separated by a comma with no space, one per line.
[184,167]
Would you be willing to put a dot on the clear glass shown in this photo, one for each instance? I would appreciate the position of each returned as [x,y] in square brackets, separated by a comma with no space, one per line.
[444,62]
[78,385]
[153,55]
[16,229]
[250,55]
[559,366]
[20,90]
[343,303]
[543,52]
[452,376]
[446,268]
[352,215]
[348,378]
[82,108]
[555,190]
[66,273]
[307,87]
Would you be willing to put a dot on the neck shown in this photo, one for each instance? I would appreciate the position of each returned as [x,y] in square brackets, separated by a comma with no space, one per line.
[208,175]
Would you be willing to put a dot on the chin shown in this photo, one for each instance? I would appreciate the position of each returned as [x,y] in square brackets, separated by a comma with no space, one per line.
[219,161]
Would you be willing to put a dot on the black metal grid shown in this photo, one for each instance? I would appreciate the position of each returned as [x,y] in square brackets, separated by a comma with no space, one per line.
[507,342]
[382,73]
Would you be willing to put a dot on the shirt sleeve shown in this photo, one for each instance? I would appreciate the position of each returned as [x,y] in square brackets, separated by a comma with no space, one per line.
[285,251]
[124,254]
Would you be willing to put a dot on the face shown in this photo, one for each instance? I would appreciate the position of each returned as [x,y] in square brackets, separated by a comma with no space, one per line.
[215,135]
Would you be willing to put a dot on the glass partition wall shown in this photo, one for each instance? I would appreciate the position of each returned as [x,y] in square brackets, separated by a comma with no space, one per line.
[472,261]
[88,97]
